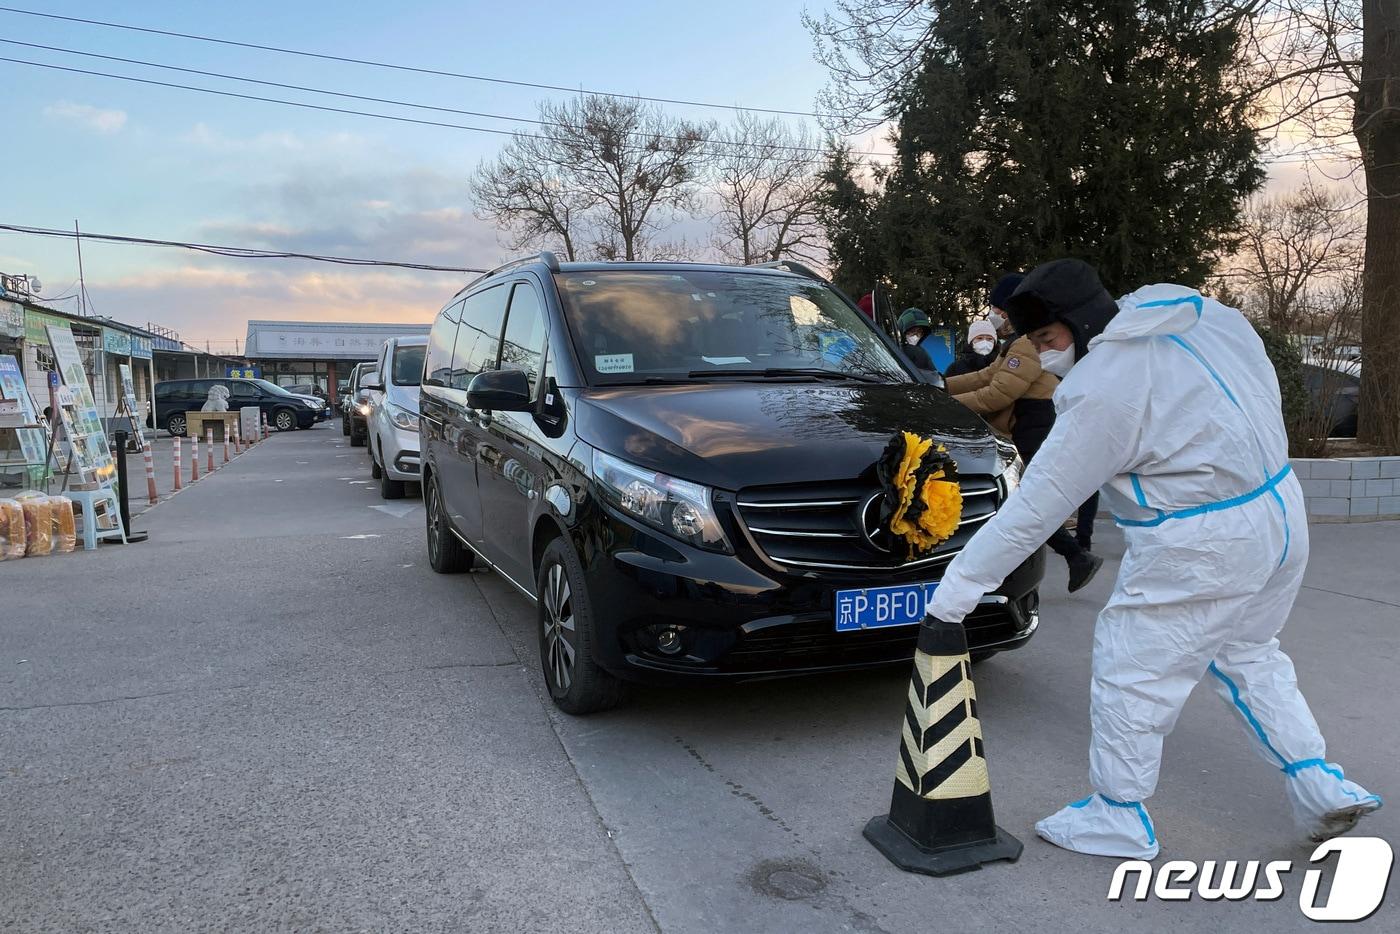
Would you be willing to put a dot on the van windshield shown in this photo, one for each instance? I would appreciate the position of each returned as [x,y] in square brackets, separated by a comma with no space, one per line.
[641,325]
[408,365]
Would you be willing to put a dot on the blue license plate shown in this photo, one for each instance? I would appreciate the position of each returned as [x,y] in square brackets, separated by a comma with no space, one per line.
[878,607]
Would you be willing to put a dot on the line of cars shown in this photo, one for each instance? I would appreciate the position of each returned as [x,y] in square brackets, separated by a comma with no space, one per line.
[380,412]
[677,464]
[285,410]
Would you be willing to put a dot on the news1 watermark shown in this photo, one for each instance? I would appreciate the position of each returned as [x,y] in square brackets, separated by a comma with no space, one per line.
[1359,877]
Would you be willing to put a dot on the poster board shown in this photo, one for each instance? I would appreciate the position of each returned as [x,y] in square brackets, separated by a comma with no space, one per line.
[129,403]
[91,453]
[33,445]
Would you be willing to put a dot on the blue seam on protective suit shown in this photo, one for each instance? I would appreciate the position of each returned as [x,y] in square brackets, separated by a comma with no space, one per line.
[1248,714]
[1287,532]
[1164,302]
[1209,369]
[1137,490]
[1141,813]
[1080,804]
[1230,503]
[1291,769]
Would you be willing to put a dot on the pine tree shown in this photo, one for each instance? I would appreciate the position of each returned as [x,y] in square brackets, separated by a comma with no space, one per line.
[846,212]
[1035,129]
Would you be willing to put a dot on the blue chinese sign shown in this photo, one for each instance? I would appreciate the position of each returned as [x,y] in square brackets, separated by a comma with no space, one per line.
[243,372]
[116,342]
[140,347]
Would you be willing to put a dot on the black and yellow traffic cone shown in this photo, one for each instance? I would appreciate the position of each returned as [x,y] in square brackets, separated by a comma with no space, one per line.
[940,819]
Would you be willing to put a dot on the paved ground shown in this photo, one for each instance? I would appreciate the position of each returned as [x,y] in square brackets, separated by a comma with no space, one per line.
[274,716]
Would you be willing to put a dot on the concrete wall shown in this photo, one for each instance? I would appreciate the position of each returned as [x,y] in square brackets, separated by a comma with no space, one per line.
[1350,489]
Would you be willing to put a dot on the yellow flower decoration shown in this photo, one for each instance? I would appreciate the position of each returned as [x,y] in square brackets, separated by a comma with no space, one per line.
[943,500]
[939,501]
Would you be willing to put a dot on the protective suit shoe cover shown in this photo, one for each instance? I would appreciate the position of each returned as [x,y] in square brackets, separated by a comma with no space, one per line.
[1325,803]
[1101,826]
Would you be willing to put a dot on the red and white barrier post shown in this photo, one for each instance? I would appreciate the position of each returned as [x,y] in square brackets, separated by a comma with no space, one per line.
[150,460]
[237,445]
[179,443]
[225,442]
[264,418]
[194,458]
[209,445]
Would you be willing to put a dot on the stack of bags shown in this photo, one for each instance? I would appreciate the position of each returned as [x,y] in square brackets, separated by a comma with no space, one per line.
[32,524]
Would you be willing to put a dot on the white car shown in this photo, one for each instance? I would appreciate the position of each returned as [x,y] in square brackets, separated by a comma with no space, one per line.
[392,424]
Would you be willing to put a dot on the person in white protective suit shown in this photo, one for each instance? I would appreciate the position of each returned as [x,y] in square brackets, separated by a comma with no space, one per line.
[1172,407]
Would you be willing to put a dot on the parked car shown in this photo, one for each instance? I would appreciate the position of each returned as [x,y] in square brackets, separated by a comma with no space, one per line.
[284,411]
[313,392]
[354,405]
[1335,389]
[677,463]
[392,423]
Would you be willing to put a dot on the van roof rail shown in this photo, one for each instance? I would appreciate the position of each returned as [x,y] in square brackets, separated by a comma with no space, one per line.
[791,265]
[543,256]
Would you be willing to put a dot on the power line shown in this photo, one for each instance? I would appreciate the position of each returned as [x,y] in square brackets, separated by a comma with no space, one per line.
[417,70]
[302,104]
[232,251]
[392,101]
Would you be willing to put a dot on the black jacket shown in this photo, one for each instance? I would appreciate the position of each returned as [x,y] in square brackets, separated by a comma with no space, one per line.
[970,362]
[918,356]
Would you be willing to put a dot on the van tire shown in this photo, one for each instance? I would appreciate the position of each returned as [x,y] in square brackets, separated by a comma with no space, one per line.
[176,425]
[589,688]
[446,554]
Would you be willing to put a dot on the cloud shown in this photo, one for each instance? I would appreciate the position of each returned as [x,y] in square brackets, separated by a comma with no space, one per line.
[212,299]
[88,117]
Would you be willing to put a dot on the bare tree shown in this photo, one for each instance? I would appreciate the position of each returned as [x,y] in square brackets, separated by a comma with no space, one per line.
[532,201]
[1294,245]
[871,48]
[766,182]
[600,176]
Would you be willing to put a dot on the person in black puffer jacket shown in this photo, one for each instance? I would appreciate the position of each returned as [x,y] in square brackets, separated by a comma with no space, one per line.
[981,350]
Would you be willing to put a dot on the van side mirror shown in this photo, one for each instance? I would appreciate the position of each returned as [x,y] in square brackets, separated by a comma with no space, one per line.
[372,380]
[500,391]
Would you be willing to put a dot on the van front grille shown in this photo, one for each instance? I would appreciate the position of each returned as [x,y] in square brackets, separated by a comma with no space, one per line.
[834,526]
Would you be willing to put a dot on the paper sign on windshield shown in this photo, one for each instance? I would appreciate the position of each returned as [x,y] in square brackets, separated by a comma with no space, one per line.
[613,363]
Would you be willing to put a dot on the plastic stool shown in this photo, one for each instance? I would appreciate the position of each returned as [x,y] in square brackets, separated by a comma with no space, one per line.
[90,500]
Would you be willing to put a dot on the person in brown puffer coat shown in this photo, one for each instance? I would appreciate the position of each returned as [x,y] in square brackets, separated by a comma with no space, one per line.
[1014,395]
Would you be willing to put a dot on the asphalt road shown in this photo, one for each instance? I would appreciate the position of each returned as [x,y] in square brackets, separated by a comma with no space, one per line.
[273,716]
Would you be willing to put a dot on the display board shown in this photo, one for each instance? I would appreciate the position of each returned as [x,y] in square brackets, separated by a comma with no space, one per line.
[91,453]
[129,404]
[33,445]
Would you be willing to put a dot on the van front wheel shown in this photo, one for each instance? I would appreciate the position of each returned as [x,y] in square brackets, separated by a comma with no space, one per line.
[568,636]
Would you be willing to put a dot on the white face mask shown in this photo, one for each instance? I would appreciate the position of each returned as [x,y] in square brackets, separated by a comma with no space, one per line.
[1057,361]
[996,320]
[983,346]
[912,338]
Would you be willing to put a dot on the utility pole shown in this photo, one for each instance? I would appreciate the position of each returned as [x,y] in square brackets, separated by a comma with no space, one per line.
[82,285]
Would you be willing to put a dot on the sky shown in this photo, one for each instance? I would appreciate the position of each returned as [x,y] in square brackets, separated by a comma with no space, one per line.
[135,160]
[163,163]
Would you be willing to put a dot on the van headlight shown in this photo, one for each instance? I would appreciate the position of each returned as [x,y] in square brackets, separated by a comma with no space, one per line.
[1011,467]
[403,418]
[677,507]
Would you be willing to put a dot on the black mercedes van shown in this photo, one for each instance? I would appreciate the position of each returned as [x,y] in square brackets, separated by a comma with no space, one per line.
[676,462]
